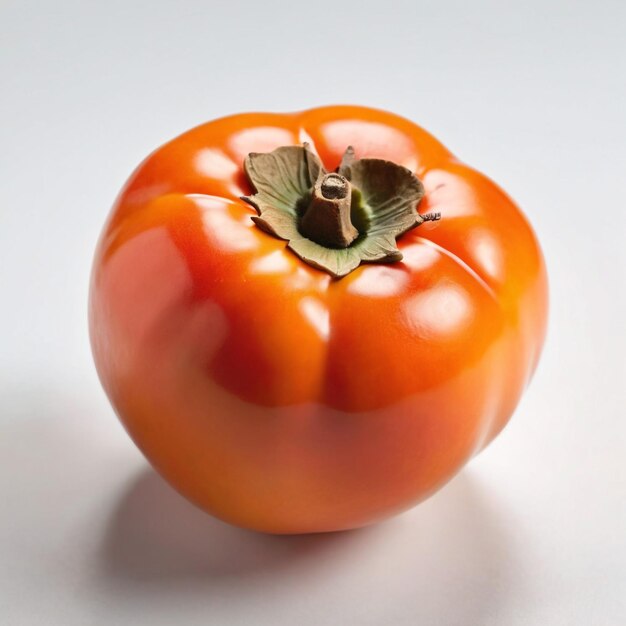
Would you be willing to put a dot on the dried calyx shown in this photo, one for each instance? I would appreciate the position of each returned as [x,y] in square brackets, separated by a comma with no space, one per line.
[334,221]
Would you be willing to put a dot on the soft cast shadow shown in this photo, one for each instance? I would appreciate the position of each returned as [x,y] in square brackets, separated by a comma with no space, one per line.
[448,561]
[156,535]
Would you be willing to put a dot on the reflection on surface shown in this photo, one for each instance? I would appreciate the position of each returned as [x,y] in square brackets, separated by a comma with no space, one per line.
[487,252]
[443,310]
[274,263]
[213,163]
[373,139]
[317,315]
[378,281]
[225,232]
[259,139]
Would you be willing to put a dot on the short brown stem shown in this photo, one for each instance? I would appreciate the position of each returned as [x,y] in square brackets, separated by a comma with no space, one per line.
[327,219]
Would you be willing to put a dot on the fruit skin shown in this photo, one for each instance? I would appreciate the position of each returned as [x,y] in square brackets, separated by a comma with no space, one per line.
[277,398]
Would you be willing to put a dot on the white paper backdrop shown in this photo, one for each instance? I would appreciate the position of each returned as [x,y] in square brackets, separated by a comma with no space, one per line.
[532,93]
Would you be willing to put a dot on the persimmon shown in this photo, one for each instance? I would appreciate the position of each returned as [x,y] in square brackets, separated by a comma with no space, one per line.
[308,322]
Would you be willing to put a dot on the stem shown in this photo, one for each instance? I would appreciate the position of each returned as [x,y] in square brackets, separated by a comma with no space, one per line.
[327,219]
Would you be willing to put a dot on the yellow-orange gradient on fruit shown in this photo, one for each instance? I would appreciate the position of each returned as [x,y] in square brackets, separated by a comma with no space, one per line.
[277,397]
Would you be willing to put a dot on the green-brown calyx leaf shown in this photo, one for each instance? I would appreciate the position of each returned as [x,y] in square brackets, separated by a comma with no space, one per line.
[334,221]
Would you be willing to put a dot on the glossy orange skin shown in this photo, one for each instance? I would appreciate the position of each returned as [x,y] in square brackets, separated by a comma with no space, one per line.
[276,397]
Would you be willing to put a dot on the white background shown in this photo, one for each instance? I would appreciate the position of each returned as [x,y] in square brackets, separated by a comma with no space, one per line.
[533,532]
